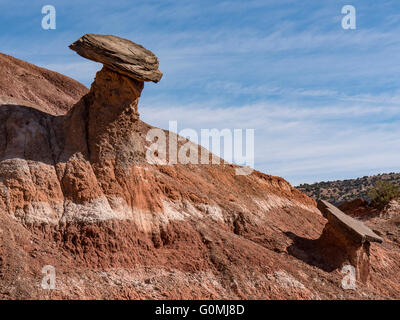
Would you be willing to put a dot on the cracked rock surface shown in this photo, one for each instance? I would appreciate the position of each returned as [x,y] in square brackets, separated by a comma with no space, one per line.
[120,55]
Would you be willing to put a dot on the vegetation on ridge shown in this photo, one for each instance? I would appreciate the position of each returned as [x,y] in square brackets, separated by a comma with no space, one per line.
[341,191]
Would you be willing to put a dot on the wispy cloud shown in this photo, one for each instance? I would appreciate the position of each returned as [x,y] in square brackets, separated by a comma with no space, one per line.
[302,143]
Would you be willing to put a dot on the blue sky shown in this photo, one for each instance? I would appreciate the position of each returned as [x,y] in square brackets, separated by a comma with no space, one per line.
[324,101]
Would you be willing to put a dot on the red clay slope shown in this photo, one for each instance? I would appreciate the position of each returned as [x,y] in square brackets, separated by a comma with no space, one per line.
[24,83]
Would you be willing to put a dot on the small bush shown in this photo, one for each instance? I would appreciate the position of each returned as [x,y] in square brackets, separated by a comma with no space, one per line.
[382,193]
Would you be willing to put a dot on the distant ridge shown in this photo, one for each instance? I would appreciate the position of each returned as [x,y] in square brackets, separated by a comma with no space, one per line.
[340,191]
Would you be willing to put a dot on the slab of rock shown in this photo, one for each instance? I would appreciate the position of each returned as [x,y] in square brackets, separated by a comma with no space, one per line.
[355,228]
[120,55]
[346,240]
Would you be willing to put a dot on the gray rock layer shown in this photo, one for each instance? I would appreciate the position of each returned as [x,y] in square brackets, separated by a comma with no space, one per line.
[355,228]
[120,55]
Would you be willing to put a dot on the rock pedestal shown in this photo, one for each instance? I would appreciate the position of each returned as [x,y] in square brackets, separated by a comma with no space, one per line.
[346,240]
[111,106]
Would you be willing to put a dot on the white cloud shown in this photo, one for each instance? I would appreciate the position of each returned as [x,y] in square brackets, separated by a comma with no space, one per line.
[302,143]
[83,71]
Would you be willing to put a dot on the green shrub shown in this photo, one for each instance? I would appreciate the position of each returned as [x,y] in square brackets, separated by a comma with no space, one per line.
[382,193]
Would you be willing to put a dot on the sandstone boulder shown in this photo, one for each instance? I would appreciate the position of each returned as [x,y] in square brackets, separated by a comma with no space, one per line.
[120,55]
[347,240]
[352,227]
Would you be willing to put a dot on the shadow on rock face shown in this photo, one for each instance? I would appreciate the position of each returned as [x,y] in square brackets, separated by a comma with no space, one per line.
[312,252]
[332,251]
[29,134]
[33,135]
[344,240]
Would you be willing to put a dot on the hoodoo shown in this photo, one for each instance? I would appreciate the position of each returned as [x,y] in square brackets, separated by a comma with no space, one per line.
[346,240]
[112,103]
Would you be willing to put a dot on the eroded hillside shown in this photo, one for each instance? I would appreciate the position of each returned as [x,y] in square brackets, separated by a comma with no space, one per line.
[77,193]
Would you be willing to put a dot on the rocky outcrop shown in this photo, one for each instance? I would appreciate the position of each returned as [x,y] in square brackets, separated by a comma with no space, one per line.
[111,107]
[77,193]
[392,209]
[120,55]
[347,240]
[353,228]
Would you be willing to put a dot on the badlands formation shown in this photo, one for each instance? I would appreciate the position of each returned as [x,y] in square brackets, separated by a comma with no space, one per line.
[77,193]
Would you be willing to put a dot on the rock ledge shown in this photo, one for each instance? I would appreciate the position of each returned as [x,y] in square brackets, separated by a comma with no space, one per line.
[120,55]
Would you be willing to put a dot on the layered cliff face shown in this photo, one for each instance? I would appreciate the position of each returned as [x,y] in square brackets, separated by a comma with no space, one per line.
[77,193]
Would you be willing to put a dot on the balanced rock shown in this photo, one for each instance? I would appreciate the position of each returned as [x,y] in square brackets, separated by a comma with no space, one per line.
[111,106]
[355,229]
[120,55]
[346,240]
